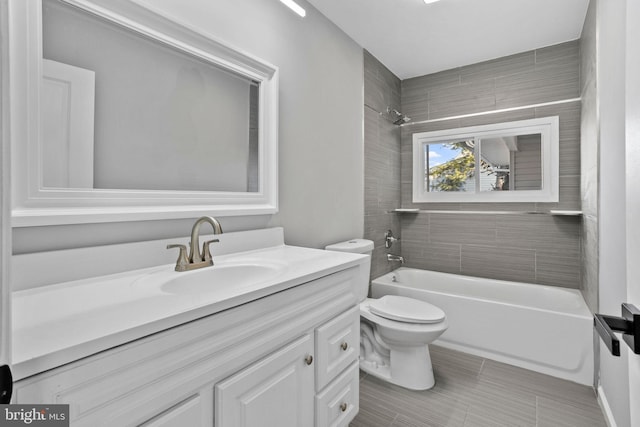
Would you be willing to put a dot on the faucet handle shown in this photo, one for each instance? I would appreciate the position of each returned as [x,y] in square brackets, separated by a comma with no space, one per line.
[183,261]
[206,252]
[389,240]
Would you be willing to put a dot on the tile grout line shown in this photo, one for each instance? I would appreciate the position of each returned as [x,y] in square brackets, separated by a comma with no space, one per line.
[453,402]
[466,415]
[394,419]
[481,367]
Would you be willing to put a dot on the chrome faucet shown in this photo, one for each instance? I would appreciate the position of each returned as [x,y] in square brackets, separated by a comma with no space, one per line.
[195,259]
[392,257]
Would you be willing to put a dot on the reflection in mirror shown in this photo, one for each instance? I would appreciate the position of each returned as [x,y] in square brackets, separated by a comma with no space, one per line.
[495,158]
[511,163]
[506,162]
[527,163]
[123,111]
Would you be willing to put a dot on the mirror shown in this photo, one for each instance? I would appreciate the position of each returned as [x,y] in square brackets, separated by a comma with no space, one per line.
[152,117]
[512,163]
[515,161]
[146,117]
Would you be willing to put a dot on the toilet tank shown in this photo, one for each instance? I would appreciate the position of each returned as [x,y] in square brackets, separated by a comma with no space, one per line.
[358,246]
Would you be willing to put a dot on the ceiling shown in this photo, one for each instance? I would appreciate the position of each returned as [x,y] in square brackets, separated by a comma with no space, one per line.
[413,39]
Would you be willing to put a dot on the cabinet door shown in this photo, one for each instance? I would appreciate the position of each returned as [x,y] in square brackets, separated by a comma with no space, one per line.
[277,391]
[337,346]
[186,413]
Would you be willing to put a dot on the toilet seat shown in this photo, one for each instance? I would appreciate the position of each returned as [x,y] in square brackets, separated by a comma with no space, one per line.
[403,309]
[410,327]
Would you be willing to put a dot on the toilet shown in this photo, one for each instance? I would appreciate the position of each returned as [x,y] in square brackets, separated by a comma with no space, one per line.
[395,331]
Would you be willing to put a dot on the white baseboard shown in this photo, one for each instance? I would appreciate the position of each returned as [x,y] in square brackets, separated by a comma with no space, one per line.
[606,409]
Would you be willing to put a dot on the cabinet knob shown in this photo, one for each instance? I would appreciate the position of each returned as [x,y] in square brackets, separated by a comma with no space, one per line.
[343,407]
[308,360]
[344,346]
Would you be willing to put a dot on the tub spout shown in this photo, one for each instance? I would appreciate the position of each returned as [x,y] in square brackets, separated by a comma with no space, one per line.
[397,258]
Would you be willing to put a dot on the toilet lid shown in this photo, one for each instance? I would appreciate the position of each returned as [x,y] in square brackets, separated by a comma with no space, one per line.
[405,309]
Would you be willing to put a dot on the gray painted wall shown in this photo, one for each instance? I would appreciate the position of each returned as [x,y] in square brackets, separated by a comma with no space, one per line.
[604,189]
[321,164]
[540,249]
[381,162]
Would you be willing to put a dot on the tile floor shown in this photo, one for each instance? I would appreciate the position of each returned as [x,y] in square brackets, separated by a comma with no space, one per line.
[472,391]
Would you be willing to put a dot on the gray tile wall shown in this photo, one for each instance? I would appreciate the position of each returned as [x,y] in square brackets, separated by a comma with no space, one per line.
[589,172]
[528,164]
[527,248]
[530,248]
[589,160]
[381,161]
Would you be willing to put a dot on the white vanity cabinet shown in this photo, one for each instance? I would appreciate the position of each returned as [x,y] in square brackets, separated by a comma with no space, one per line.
[275,391]
[287,359]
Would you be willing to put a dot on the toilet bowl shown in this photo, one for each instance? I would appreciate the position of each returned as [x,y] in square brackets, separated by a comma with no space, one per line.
[395,331]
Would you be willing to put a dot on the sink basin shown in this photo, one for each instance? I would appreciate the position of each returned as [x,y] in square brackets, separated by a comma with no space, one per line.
[236,275]
[208,279]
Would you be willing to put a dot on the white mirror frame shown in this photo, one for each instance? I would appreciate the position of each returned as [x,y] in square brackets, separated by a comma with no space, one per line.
[547,127]
[33,205]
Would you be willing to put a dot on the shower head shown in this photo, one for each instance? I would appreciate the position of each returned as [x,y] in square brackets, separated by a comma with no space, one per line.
[402,119]
[397,117]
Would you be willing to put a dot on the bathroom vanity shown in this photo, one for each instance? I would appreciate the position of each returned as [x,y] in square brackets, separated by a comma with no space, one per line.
[278,350]
[268,336]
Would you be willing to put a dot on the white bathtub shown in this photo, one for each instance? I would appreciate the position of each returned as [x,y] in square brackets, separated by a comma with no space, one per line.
[542,328]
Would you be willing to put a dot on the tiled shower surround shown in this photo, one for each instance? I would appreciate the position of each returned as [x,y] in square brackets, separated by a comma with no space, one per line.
[589,159]
[501,244]
[381,162]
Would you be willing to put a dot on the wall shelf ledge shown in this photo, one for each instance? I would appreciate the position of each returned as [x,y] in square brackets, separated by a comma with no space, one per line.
[476,212]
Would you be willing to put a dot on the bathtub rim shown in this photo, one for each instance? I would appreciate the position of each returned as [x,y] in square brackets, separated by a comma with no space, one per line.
[585,312]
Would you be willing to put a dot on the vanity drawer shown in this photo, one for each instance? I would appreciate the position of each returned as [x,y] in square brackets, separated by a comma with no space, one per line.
[337,345]
[338,404]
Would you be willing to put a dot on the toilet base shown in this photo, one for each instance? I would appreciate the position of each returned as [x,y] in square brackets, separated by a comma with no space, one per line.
[408,367]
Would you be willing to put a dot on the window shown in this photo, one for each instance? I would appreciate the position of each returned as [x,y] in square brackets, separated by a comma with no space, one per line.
[503,162]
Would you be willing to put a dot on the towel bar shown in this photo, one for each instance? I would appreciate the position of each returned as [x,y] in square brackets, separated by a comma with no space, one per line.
[628,324]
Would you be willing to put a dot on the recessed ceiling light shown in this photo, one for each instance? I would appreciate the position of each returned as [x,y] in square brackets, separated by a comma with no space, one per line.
[295,7]
[430,1]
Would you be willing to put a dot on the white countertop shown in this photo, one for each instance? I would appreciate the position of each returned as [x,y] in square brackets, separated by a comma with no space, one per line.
[57,324]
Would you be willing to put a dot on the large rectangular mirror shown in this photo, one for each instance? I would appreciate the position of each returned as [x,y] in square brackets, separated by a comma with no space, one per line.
[505,162]
[162,119]
[140,117]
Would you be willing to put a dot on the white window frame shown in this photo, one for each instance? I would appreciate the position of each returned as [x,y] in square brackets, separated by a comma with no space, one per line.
[547,127]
